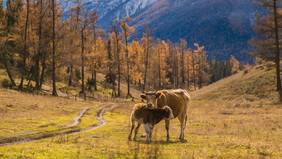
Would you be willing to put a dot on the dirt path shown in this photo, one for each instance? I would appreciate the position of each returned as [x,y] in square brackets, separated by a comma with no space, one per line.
[77,118]
[76,121]
[64,130]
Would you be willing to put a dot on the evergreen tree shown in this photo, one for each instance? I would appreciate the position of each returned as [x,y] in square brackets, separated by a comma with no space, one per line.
[267,44]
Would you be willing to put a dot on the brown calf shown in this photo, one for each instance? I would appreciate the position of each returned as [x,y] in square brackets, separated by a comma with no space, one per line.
[149,117]
[177,100]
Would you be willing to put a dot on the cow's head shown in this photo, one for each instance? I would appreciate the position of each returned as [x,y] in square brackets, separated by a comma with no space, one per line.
[151,98]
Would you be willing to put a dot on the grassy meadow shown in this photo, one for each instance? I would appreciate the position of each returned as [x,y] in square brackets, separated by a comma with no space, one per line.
[237,117]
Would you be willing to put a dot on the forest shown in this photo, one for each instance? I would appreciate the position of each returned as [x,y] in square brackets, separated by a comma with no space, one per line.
[39,44]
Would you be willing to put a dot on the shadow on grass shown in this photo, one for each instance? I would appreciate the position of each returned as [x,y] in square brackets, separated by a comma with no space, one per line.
[161,142]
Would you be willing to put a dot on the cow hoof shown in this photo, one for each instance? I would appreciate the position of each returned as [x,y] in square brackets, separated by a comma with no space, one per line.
[143,136]
[134,139]
[183,140]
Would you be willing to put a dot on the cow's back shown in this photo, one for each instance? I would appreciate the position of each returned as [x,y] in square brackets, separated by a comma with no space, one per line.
[177,100]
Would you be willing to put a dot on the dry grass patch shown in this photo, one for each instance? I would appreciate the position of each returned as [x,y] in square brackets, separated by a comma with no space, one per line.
[229,119]
[22,112]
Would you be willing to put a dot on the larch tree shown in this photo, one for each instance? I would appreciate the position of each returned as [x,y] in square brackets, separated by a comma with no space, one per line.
[9,19]
[235,64]
[176,59]
[267,44]
[84,26]
[93,24]
[147,46]
[127,31]
[46,39]
[54,92]
[110,63]
[203,65]
[24,54]
[136,51]
[159,63]
[74,43]
[188,65]
[183,47]
[195,63]
[39,50]
[114,28]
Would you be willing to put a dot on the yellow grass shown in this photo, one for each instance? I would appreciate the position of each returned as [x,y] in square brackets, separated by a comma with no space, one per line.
[237,117]
[22,112]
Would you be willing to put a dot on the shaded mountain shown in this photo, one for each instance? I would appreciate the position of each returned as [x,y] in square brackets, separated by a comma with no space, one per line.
[222,26]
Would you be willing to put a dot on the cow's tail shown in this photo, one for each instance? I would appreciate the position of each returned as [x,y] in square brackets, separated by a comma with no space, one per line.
[187,95]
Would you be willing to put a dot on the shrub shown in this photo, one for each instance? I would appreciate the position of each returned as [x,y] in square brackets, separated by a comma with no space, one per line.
[6,83]
[77,74]
[90,81]
[110,77]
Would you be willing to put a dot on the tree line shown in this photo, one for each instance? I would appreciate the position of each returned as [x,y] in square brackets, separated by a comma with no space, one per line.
[37,45]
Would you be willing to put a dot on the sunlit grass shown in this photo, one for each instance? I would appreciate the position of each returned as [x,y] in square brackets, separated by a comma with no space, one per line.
[21,112]
[223,122]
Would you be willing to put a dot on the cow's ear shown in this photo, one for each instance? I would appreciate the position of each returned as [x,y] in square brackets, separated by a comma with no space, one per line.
[143,96]
[158,95]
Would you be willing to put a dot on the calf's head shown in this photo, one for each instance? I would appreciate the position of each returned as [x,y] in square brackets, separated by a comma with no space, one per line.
[169,111]
[151,98]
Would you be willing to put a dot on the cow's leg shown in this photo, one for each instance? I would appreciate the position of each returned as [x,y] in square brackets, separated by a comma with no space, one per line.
[147,130]
[167,123]
[136,131]
[131,130]
[183,120]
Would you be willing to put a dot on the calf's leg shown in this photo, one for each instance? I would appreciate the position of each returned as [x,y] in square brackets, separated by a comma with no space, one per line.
[151,132]
[131,130]
[136,131]
[148,130]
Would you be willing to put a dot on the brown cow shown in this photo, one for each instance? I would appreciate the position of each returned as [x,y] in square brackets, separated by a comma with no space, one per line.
[177,100]
[149,117]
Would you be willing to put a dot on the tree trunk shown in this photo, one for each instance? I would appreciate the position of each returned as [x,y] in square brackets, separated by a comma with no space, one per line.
[147,56]
[118,58]
[176,70]
[277,49]
[25,46]
[182,67]
[9,72]
[82,60]
[194,73]
[95,80]
[94,37]
[71,73]
[159,67]
[114,89]
[127,66]
[53,56]
[188,72]
[43,70]
[37,82]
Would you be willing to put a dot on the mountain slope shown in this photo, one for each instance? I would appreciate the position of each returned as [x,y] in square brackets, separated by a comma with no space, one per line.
[223,26]
[109,10]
